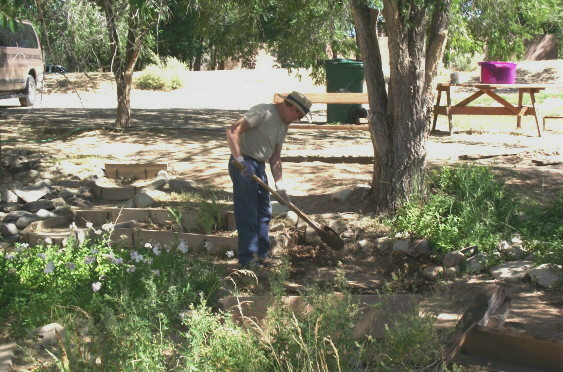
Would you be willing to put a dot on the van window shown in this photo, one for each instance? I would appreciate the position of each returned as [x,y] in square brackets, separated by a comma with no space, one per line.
[24,37]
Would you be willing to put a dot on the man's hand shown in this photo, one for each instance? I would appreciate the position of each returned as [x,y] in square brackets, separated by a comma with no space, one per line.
[248,170]
[280,188]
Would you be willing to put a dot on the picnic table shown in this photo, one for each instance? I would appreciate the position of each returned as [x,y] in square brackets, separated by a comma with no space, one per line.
[505,108]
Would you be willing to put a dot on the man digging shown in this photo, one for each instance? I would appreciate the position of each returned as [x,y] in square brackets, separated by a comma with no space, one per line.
[255,138]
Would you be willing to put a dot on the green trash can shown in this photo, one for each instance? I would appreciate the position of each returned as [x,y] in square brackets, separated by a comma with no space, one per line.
[343,75]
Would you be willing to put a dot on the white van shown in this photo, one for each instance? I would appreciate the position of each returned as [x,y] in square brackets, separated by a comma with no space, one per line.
[21,63]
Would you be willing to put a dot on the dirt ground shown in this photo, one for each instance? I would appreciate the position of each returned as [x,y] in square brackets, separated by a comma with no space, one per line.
[185,128]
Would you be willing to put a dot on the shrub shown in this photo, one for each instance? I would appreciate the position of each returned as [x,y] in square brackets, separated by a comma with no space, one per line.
[465,205]
[165,75]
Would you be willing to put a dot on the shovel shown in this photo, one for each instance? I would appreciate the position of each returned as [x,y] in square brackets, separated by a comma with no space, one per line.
[328,235]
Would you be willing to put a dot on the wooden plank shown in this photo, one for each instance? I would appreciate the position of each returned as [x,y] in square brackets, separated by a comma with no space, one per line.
[514,347]
[137,170]
[503,86]
[332,98]
[480,110]
[471,98]
[329,127]
[375,311]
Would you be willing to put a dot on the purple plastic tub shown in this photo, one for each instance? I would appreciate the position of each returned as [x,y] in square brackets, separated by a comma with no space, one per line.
[498,72]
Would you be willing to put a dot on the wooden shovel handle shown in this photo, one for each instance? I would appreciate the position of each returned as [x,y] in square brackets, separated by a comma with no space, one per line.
[287,203]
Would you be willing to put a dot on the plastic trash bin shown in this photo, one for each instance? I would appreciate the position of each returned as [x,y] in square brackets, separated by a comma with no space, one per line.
[498,72]
[343,75]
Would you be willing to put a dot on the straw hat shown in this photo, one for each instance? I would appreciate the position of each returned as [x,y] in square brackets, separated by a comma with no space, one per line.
[298,100]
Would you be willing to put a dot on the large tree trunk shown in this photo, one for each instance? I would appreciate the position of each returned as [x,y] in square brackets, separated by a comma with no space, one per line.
[400,117]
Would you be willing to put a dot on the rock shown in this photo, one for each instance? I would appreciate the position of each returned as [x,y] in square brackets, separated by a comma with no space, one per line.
[341,195]
[452,272]
[365,245]
[162,175]
[66,194]
[8,196]
[278,244]
[180,185]
[516,252]
[475,264]
[512,272]
[311,236]
[404,246]
[301,225]
[470,251]
[59,203]
[33,174]
[156,184]
[278,209]
[46,336]
[546,275]
[143,200]
[13,216]
[32,193]
[432,272]
[294,288]
[453,258]
[292,217]
[421,248]
[11,207]
[384,243]
[336,225]
[26,220]
[8,229]
[277,226]
[7,354]
[44,214]
[516,239]
[34,206]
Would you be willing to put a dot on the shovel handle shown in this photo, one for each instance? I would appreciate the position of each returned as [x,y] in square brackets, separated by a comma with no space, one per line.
[287,203]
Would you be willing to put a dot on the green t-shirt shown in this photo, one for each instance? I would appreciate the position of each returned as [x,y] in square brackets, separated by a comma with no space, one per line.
[267,130]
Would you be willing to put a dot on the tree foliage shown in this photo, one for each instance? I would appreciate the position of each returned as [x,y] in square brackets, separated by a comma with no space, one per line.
[500,27]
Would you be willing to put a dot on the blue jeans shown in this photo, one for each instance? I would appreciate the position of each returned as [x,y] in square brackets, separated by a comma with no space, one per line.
[253,212]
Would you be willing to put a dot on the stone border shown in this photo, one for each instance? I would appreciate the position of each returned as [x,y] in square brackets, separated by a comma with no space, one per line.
[57,229]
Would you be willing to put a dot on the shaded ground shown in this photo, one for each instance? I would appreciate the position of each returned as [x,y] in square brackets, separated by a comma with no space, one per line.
[186,130]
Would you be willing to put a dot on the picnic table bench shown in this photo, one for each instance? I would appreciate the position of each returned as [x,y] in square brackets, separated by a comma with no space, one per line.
[505,108]
[331,98]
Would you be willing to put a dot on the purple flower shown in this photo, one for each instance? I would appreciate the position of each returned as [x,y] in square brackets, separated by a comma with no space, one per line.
[49,268]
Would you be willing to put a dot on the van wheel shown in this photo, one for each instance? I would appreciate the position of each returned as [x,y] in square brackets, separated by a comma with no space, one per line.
[30,92]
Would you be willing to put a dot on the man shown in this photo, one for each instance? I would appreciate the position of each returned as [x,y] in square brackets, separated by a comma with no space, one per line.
[255,138]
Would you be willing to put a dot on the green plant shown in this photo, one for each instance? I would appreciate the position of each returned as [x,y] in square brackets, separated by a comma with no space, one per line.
[166,75]
[176,214]
[464,205]
[209,216]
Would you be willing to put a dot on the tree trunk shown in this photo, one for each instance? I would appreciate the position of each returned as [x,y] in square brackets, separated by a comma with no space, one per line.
[400,117]
[123,66]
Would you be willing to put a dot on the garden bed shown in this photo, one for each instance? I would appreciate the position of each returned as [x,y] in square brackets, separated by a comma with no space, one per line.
[135,227]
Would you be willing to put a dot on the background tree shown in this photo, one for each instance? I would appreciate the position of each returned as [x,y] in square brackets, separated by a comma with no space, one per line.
[141,16]
[400,117]
[499,27]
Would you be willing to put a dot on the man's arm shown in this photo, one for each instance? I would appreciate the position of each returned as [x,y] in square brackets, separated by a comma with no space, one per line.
[276,164]
[233,136]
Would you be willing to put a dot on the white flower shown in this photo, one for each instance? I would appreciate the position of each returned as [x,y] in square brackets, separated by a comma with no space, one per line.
[97,232]
[156,272]
[208,246]
[230,254]
[107,226]
[96,286]
[89,225]
[167,248]
[135,256]
[89,259]
[49,268]
[41,255]
[9,257]
[116,261]
[131,269]
[48,241]
[156,249]
[24,245]
[183,247]
[148,245]
[148,261]
[73,226]
[71,266]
